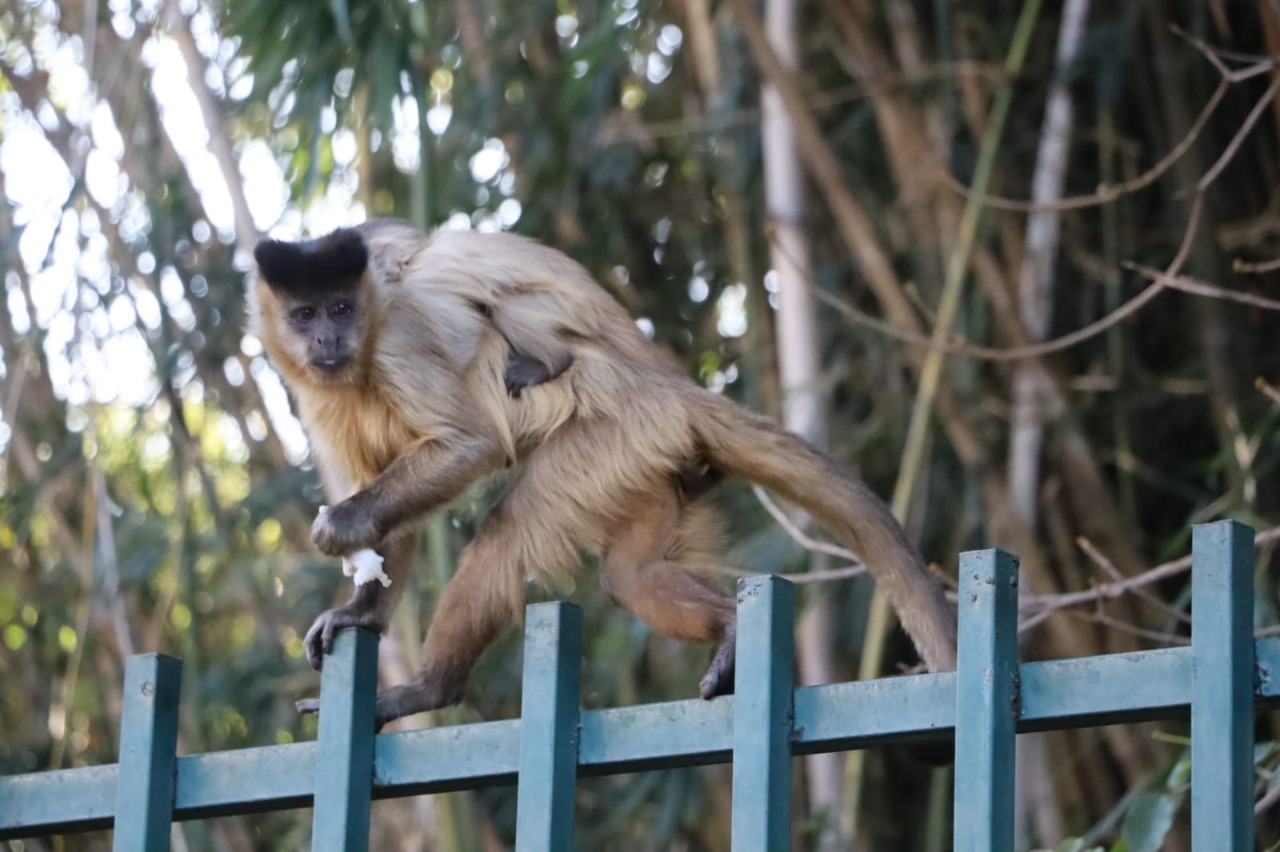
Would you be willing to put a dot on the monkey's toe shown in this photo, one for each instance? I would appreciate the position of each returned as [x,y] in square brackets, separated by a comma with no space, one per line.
[719,677]
[715,684]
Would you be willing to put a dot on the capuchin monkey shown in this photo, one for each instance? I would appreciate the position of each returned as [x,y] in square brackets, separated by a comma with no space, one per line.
[421,364]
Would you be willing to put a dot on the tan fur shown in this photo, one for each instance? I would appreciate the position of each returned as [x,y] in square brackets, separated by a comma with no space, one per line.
[425,413]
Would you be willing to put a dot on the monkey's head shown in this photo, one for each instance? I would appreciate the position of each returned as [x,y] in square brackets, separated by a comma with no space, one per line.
[313,310]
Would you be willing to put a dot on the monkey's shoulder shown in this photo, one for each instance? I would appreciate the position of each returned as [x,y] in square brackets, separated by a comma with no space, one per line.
[392,246]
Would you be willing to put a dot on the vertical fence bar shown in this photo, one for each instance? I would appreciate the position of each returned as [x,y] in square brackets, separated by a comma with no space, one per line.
[986,701]
[344,747]
[762,715]
[549,727]
[1222,686]
[148,753]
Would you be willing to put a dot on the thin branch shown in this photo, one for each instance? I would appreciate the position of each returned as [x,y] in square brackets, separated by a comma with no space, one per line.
[1044,605]
[798,535]
[1229,153]
[619,133]
[1255,268]
[1268,390]
[802,578]
[1267,801]
[993,353]
[1132,629]
[1100,559]
[1094,328]
[1198,287]
[1109,192]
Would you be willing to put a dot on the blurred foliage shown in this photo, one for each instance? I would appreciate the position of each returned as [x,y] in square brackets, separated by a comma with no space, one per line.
[155,495]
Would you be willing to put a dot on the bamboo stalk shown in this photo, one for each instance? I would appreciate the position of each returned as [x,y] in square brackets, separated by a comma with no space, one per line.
[880,619]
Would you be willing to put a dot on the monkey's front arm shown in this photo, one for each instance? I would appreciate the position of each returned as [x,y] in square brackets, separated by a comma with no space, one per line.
[428,474]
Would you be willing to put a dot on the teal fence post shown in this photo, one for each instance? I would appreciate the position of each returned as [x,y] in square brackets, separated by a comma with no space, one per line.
[344,746]
[1222,686]
[549,727]
[986,701]
[148,753]
[762,715]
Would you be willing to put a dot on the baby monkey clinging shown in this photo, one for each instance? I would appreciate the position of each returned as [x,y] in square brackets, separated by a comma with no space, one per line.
[422,363]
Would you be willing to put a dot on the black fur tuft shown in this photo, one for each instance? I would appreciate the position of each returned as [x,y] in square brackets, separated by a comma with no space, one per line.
[277,261]
[312,267]
[344,252]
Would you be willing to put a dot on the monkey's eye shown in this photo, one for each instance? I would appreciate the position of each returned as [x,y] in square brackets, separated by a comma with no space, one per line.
[304,314]
[340,309]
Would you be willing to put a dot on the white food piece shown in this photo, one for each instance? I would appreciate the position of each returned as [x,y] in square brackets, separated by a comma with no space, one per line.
[320,513]
[363,566]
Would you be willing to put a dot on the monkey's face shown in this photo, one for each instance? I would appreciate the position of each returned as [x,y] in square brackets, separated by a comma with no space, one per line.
[316,289]
[326,331]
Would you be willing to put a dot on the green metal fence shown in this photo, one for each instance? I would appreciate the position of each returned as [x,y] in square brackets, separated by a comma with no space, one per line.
[1221,679]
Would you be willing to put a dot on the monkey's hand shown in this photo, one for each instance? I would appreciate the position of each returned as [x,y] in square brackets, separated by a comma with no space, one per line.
[319,639]
[345,528]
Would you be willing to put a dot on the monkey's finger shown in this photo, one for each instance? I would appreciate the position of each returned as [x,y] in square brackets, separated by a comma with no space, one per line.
[307,705]
[312,645]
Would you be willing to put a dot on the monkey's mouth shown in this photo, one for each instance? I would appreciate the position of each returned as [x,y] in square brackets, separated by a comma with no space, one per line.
[332,366]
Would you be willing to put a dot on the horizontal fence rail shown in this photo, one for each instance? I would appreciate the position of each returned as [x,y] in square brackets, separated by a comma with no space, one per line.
[1221,680]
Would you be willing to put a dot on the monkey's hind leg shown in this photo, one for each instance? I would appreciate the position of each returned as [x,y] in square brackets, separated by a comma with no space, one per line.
[649,570]
[484,596]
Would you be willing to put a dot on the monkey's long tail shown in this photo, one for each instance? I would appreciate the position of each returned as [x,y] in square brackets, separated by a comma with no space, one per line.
[748,446]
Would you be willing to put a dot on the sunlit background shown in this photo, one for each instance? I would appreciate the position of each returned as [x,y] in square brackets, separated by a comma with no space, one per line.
[156,490]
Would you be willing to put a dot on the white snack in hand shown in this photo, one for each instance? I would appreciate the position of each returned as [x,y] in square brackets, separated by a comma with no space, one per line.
[320,513]
[363,566]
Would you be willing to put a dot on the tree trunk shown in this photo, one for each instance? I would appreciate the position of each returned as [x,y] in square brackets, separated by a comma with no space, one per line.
[1036,806]
[802,403]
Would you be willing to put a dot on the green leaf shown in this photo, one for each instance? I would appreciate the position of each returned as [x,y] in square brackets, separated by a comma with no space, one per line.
[1180,775]
[1148,821]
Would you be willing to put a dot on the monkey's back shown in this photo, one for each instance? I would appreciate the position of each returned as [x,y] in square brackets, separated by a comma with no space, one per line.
[463,284]
[613,425]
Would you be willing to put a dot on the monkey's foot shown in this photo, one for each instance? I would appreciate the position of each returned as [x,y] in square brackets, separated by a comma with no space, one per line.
[405,700]
[319,639]
[416,697]
[719,677]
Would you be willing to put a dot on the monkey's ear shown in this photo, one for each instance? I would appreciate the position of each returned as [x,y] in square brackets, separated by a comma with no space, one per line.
[279,263]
